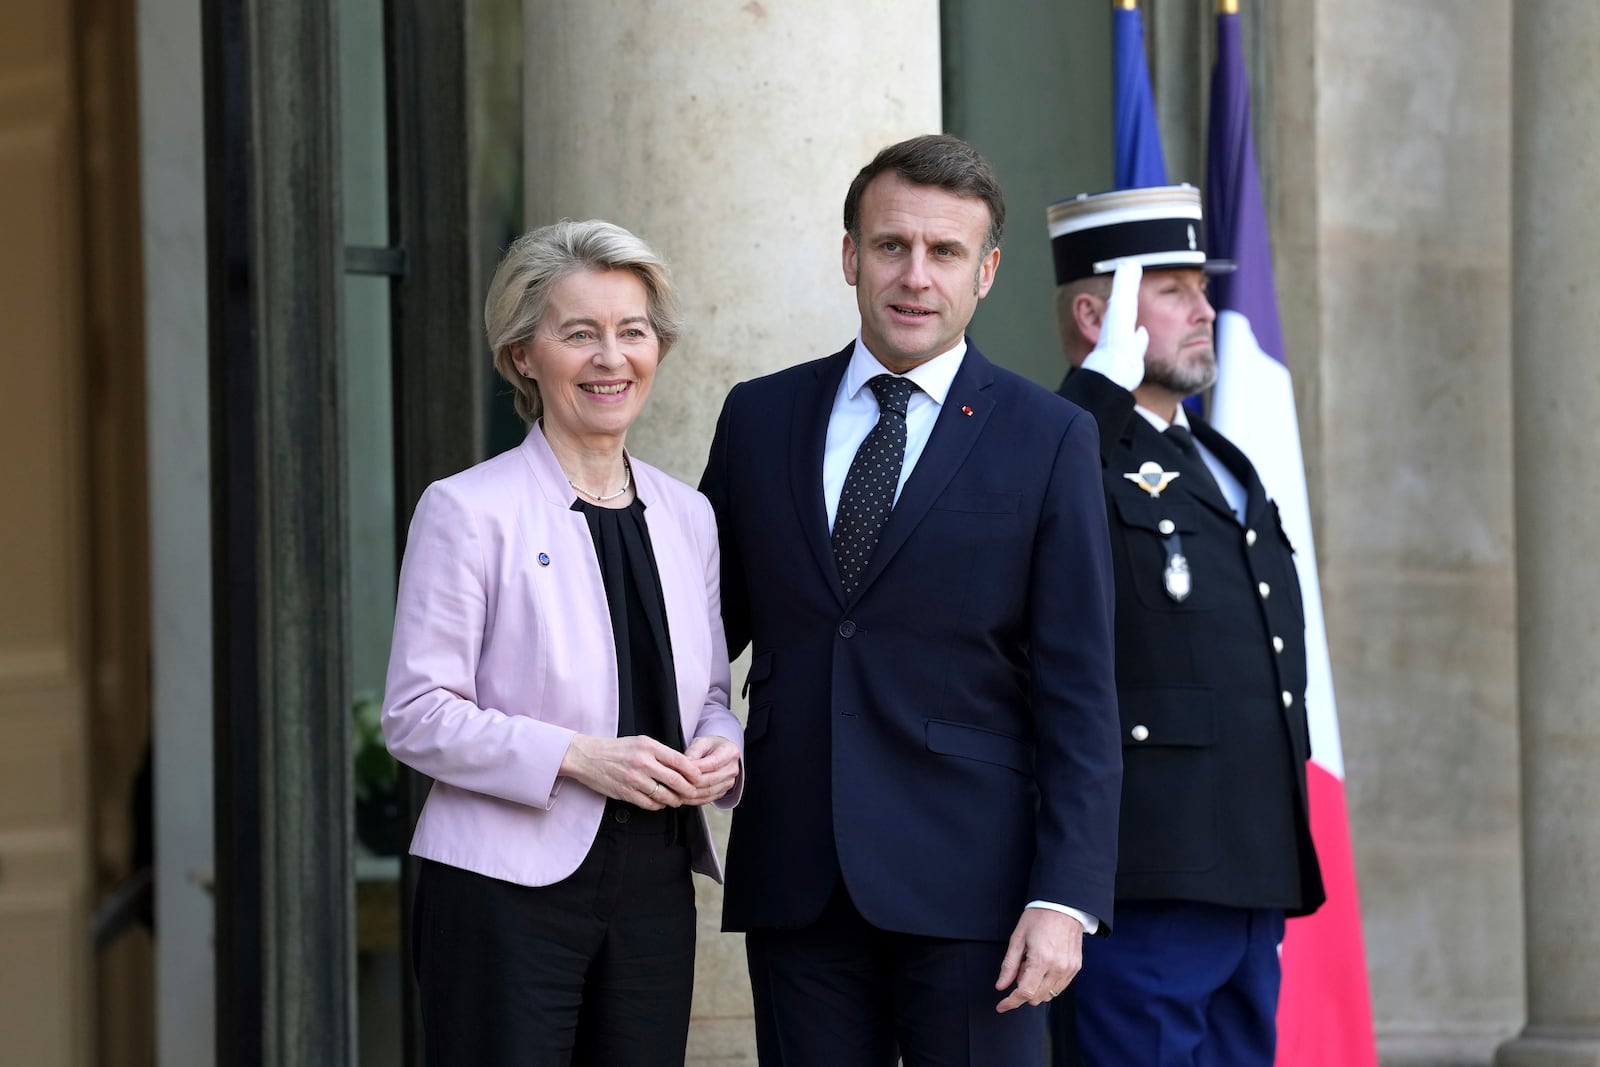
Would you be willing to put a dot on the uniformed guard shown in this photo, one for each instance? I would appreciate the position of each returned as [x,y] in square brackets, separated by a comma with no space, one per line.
[1215,845]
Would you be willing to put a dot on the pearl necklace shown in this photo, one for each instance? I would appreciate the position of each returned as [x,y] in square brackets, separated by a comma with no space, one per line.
[627,480]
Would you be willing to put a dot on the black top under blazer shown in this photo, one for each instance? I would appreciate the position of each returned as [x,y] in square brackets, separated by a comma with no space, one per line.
[945,740]
[1214,733]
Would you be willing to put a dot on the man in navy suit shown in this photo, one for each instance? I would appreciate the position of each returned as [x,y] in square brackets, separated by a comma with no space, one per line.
[1215,845]
[914,542]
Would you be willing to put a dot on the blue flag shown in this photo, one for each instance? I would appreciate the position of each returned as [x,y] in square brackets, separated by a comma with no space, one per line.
[1136,137]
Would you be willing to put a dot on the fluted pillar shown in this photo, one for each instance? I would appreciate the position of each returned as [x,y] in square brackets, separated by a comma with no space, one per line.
[726,136]
[1556,391]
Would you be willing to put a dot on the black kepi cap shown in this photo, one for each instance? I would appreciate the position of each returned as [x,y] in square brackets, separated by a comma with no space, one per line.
[1156,227]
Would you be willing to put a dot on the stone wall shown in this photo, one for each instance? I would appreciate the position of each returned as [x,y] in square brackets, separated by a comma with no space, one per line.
[1403,161]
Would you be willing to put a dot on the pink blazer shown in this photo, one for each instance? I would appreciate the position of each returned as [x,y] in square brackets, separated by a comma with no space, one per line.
[503,651]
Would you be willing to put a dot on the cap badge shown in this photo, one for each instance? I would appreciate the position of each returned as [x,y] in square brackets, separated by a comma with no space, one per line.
[1192,245]
[1151,478]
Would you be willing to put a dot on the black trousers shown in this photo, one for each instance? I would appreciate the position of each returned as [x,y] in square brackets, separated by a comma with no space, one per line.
[843,993]
[595,970]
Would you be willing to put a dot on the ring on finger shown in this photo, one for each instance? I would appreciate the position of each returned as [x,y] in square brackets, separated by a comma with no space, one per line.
[653,787]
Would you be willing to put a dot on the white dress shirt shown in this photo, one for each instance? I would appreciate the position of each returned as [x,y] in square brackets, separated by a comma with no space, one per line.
[855,412]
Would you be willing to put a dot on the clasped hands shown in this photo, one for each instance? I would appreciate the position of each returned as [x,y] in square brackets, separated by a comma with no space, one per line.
[650,775]
[1119,353]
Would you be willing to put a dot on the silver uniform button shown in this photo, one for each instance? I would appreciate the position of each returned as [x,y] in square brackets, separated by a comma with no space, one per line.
[1288,699]
[1140,732]
[1264,589]
[1249,537]
[1277,643]
[1166,526]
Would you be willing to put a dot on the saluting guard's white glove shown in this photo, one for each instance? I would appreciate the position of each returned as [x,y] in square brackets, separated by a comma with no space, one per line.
[1119,354]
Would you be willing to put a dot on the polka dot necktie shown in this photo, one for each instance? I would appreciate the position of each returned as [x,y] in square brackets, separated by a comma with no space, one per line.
[869,487]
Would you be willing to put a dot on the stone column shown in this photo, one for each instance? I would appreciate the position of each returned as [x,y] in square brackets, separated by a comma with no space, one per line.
[726,136]
[1556,393]
[1394,182]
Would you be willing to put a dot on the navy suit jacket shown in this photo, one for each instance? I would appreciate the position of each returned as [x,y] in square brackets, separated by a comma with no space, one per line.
[945,739]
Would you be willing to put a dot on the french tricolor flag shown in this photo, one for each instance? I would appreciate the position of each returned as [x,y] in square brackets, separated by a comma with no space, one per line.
[1325,1011]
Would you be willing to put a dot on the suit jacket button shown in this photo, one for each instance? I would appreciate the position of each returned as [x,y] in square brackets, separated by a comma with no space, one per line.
[620,814]
[1288,699]
[1166,526]
[1249,537]
[847,629]
[1139,732]
[1264,589]
[1277,643]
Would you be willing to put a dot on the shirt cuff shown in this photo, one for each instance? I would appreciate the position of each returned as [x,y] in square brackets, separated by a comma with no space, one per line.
[1090,923]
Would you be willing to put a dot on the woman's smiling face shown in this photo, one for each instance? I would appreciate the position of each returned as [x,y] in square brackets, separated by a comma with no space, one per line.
[594,354]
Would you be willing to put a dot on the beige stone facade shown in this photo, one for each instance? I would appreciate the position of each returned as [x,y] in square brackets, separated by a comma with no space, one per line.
[1406,367]
[1556,164]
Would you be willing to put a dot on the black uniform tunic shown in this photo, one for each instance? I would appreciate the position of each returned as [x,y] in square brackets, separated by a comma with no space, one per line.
[1210,684]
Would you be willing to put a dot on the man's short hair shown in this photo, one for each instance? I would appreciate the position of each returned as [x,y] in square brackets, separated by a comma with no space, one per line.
[940,160]
[1074,345]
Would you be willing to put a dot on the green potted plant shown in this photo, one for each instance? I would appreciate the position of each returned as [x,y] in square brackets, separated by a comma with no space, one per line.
[380,822]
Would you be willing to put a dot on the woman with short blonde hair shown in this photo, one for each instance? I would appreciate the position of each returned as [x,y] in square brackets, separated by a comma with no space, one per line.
[559,669]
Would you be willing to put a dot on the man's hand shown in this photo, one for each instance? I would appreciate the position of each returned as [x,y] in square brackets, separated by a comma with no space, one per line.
[1044,955]
[1119,354]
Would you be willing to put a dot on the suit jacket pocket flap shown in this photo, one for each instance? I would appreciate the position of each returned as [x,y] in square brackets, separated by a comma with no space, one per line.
[760,669]
[1170,715]
[975,742]
[1148,513]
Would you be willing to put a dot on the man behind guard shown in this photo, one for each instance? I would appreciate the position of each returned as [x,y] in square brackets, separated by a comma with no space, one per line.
[1215,844]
